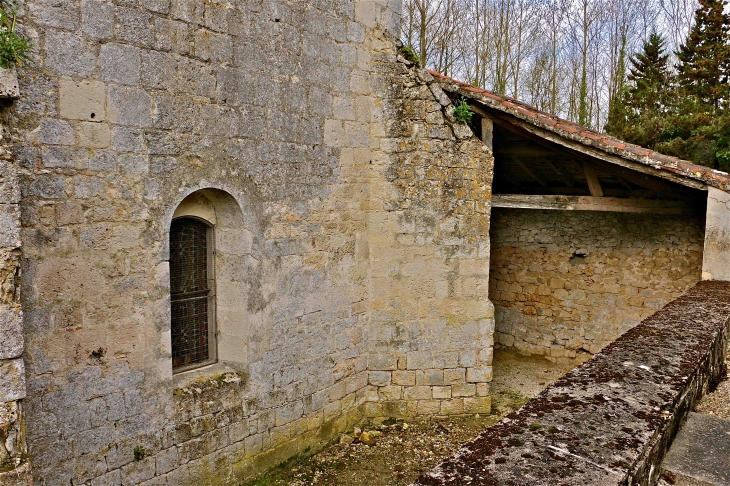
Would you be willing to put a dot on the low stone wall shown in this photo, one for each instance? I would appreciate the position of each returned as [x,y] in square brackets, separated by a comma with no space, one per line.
[611,420]
[566,281]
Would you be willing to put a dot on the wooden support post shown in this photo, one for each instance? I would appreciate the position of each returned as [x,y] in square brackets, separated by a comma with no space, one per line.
[488,132]
[593,184]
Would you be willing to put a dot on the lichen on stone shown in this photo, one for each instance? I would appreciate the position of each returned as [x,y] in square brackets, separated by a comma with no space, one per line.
[202,384]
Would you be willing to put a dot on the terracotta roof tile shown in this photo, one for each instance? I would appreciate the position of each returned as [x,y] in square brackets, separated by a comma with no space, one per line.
[547,120]
[591,136]
[568,128]
[612,142]
[575,132]
[473,89]
[526,112]
[635,149]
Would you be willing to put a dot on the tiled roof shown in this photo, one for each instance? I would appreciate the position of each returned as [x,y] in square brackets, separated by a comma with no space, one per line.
[591,138]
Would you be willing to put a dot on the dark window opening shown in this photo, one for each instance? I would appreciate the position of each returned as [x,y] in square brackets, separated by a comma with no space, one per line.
[190,293]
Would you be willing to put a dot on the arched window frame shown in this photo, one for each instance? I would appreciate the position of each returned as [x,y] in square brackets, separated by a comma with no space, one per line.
[211,296]
[235,254]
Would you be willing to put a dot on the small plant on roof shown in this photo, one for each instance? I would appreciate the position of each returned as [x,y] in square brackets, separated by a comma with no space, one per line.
[14,48]
[462,112]
[410,54]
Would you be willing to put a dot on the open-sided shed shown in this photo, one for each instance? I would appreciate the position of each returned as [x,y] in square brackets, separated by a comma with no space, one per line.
[589,235]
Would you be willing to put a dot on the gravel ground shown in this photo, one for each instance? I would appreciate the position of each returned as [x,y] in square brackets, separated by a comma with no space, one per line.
[401,450]
[717,403]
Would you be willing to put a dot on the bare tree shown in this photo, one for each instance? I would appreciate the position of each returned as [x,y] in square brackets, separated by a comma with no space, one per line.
[567,57]
[676,20]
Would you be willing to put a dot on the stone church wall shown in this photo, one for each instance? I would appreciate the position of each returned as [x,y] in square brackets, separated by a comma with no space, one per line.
[278,118]
[352,246]
[563,282]
[129,108]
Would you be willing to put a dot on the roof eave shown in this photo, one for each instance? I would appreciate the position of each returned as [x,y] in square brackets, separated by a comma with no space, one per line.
[595,144]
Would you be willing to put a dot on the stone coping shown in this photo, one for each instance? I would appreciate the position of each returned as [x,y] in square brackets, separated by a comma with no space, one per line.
[611,420]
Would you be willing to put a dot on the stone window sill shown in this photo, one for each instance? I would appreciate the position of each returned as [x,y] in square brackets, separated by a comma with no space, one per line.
[215,375]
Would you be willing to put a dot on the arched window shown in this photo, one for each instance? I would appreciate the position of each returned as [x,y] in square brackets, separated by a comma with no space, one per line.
[192,296]
[212,275]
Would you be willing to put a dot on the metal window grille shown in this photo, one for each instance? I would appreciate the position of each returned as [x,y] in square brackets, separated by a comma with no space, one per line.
[189,292]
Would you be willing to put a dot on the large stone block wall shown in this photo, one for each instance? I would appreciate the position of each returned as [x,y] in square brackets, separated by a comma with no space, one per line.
[564,282]
[431,323]
[14,464]
[130,107]
[351,236]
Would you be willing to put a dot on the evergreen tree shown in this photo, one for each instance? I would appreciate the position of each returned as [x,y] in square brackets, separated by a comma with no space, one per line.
[699,128]
[639,112]
[704,60]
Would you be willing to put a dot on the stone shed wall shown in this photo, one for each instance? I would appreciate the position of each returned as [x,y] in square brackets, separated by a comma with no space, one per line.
[128,108]
[566,281]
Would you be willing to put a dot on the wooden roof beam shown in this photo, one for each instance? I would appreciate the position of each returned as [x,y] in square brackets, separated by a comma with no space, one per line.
[625,183]
[558,170]
[642,180]
[590,203]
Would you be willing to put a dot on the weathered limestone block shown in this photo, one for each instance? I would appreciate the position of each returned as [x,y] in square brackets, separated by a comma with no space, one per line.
[379,378]
[9,83]
[10,223]
[11,331]
[404,378]
[85,100]
[12,380]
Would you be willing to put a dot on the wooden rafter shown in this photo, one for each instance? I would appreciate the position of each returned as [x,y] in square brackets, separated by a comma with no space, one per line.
[642,180]
[510,179]
[527,171]
[558,170]
[624,182]
[557,143]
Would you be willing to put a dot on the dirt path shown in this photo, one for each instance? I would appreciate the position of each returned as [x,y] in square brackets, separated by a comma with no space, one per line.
[403,450]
